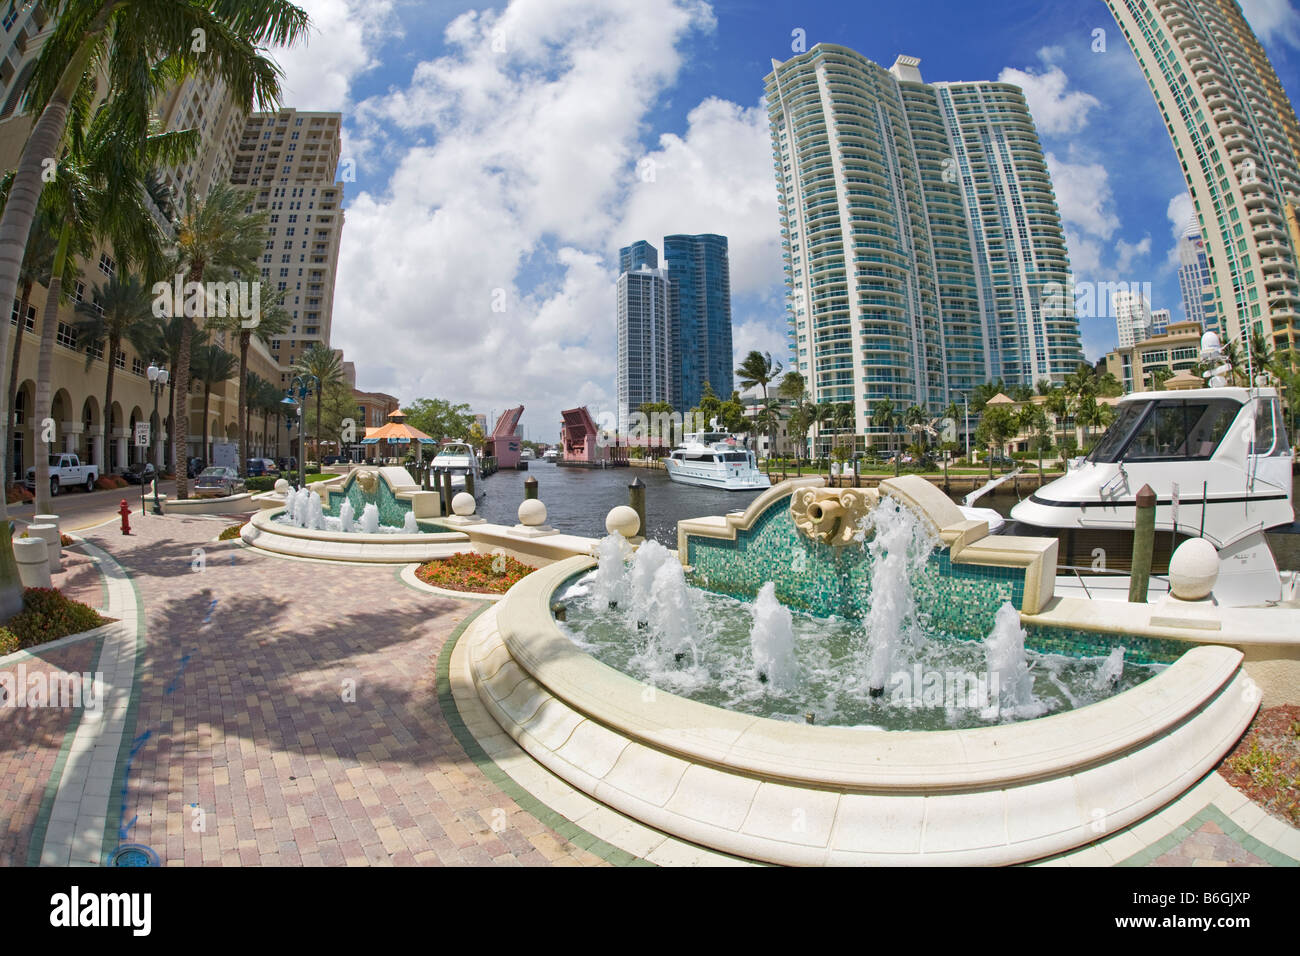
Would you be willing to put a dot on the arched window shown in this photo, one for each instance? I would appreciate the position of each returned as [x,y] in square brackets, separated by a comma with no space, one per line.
[17,90]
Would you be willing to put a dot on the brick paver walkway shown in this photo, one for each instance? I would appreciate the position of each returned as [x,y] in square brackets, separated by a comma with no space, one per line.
[287,713]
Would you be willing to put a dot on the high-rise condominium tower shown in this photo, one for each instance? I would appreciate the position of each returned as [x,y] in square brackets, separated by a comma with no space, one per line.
[1194,279]
[1238,141]
[291,159]
[700,271]
[1133,318]
[921,233]
[644,350]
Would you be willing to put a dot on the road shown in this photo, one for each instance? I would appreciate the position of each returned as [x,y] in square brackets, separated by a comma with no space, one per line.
[78,509]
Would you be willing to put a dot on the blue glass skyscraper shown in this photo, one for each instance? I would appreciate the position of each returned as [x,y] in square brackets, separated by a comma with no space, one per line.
[700,272]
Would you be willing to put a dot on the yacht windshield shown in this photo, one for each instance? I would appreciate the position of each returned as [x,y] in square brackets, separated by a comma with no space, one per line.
[1126,418]
[1175,430]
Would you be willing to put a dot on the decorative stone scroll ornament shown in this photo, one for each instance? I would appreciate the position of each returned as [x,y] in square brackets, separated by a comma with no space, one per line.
[831,515]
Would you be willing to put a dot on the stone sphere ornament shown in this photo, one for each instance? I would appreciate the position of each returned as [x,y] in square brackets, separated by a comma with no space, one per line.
[532,513]
[281,486]
[463,504]
[1193,570]
[623,520]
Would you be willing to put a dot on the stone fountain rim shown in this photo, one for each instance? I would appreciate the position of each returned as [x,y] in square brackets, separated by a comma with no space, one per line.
[846,758]
[265,521]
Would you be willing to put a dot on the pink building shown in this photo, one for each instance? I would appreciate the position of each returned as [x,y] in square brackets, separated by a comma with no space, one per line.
[505,442]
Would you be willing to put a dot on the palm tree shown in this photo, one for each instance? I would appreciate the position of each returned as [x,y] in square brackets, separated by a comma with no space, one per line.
[917,420]
[214,237]
[124,306]
[99,190]
[758,369]
[819,414]
[793,386]
[211,365]
[272,322]
[265,398]
[883,416]
[843,418]
[326,364]
[767,420]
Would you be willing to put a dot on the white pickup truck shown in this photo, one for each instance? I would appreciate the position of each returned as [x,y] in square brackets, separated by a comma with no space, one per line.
[66,471]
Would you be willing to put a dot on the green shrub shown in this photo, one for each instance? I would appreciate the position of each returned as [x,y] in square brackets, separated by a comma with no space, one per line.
[260,483]
[231,533]
[8,641]
[48,615]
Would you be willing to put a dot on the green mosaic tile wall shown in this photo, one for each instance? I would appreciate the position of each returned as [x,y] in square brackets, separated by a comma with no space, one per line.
[392,512]
[826,581]
[961,600]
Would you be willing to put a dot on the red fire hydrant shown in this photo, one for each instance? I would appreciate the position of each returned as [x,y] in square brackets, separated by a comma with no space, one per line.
[125,512]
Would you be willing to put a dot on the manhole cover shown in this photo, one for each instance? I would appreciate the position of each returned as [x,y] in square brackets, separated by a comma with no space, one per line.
[134,854]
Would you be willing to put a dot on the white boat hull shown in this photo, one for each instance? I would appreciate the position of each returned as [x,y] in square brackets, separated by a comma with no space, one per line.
[706,479]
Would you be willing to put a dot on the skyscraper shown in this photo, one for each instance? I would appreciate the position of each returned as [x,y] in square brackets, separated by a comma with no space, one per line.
[290,160]
[700,321]
[1238,140]
[1194,279]
[644,350]
[1132,318]
[921,234]
[1160,319]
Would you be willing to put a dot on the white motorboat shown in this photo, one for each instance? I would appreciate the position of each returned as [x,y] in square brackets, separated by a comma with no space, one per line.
[715,460]
[1220,464]
[552,455]
[458,459]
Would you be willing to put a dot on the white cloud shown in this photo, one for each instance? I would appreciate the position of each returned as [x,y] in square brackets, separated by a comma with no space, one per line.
[717,178]
[1273,20]
[1056,110]
[1181,213]
[514,160]
[1127,253]
[344,35]
[1083,192]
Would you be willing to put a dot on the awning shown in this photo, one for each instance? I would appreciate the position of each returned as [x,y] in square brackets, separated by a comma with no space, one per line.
[370,441]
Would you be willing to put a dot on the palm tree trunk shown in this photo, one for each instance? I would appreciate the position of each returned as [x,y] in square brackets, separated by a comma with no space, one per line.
[244,412]
[181,412]
[15,226]
[114,343]
[11,468]
[44,372]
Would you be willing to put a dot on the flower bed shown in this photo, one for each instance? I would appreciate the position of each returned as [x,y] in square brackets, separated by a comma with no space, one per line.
[17,494]
[474,573]
[46,616]
[110,482]
[231,533]
[1266,764]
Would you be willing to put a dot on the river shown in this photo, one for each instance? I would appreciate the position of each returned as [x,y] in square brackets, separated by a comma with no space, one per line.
[577,500]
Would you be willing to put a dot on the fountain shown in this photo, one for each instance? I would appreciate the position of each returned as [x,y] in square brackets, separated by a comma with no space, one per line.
[872,665]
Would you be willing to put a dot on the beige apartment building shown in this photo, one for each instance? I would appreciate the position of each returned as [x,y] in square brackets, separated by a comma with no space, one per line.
[82,425]
[291,159]
[1177,350]
[1238,141]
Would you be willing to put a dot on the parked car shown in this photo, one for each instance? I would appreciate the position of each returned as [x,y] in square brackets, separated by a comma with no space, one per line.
[142,472]
[66,471]
[261,468]
[334,460]
[194,467]
[218,482]
[287,464]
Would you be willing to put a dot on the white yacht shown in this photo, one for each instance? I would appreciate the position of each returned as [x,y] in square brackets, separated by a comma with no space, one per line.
[1220,464]
[551,454]
[458,459]
[715,460]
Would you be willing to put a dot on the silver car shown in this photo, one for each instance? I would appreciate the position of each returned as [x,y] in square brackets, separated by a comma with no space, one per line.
[218,482]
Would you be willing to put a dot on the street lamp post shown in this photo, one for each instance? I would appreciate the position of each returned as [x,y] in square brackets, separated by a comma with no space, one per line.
[966,402]
[300,388]
[157,382]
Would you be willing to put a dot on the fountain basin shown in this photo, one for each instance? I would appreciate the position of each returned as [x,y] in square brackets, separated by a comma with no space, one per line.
[790,793]
[265,532]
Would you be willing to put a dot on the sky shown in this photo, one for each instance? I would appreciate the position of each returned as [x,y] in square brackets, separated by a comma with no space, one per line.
[496,156]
